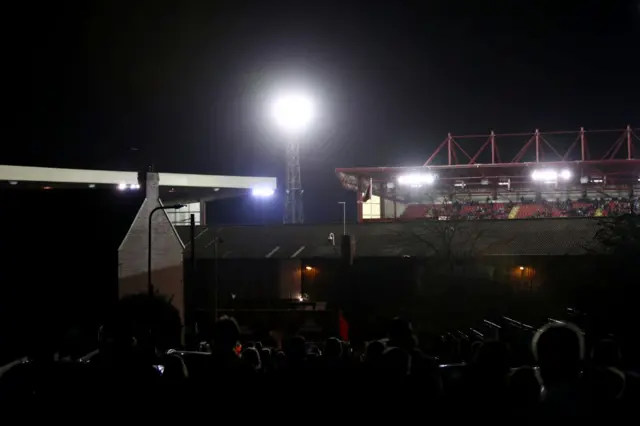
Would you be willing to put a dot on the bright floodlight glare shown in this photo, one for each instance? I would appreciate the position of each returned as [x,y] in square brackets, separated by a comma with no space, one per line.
[293,112]
[122,186]
[544,175]
[551,175]
[416,179]
[262,192]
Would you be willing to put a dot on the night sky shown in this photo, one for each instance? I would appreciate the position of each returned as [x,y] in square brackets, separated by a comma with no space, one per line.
[186,83]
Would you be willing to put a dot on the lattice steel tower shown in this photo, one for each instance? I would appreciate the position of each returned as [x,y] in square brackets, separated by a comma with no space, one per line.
[293,210]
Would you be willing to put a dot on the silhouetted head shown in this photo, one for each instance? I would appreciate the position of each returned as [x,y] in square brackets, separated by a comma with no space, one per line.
[559,350]
[333,349]
[226,333]
[524,386]
[401,333]
[373,352]
[252,357]
[153,322]
[296,349]
[396,362]
[315,350]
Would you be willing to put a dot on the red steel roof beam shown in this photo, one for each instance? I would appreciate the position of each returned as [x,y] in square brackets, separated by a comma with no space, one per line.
[438,149]
[552,148]
[482,148]
[573,145]
[519,155]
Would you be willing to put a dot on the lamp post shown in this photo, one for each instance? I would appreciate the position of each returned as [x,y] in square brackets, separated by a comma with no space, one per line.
[293,113]
[149,283]
[344,217]
[216,277]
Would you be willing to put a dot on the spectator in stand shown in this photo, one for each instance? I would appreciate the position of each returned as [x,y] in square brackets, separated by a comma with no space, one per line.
[524,390]
[295,351]
[373,355]
[606,375]
[251,357]
[396,362]
[558,348]
[225,361]
[333,352]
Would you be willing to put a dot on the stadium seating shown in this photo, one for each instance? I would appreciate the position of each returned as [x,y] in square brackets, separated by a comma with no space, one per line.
[415,211]
[517,211]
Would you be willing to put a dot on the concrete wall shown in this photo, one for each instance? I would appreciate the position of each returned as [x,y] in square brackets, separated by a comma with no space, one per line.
[166,252]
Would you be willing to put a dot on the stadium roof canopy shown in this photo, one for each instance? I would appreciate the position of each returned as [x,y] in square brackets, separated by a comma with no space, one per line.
[526,237]
[613,154]
[173,186]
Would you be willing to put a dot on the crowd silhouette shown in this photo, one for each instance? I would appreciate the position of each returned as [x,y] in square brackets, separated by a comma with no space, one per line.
[567,377]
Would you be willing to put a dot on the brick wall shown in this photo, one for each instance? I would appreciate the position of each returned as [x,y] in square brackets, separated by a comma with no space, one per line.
[166,252]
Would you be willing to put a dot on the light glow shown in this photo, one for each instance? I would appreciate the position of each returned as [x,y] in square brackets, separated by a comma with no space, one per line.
[417,179]
[262,192]
[294,112]
[123,186]
[551,176]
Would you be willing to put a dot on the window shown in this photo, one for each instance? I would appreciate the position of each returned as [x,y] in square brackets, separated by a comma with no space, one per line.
[182,217]
[371,208]
[192,208]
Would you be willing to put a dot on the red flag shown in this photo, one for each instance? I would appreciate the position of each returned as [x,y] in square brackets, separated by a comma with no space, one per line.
[343,327]
[369,191]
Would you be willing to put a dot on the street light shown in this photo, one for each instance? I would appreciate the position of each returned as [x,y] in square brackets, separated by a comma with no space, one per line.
[344,217]
[293,113]
[149,283]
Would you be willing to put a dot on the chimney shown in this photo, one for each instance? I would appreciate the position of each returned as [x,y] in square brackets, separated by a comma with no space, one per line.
[150,181]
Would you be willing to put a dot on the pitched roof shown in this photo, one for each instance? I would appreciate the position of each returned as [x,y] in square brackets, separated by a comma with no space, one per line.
[533,237]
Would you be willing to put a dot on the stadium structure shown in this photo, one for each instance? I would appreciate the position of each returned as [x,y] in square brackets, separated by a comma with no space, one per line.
[550,174]
[406,215]
[191,190]
[152,249]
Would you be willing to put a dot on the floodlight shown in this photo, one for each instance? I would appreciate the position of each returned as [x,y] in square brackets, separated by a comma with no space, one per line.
[124,186]
[416,179]
[551,175]
[293,112]
[544,175]
[262,192]
[565,174]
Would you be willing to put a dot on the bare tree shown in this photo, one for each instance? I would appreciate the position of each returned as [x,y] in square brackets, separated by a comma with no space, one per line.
[451,243]
[454,282]
[619,236]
